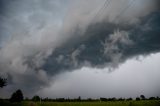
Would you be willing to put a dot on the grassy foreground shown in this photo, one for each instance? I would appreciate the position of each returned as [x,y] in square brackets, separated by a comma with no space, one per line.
[109,103]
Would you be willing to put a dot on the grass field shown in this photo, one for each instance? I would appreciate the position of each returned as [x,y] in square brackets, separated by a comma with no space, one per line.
[113,103]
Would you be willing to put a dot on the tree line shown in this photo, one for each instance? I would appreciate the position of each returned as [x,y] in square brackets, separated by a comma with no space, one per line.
[17,96]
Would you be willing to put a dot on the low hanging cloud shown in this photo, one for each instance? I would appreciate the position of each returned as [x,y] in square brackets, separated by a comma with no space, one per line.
[107,44]
[40,39]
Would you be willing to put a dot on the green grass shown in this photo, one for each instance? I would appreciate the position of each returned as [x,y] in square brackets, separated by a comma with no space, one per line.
[116,103]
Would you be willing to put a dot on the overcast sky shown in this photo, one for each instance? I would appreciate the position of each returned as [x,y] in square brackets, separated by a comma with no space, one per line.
[88,48]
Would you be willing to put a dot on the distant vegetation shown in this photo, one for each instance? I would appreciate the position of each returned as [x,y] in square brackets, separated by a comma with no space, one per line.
[79,99]
[17,99]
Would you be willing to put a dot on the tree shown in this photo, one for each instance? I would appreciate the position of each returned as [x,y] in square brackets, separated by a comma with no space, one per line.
[129,99]
[3,82]
[79,98]
[137,98]
[142,97]
[152,98]
[36,98]
[17,96]
[103,99]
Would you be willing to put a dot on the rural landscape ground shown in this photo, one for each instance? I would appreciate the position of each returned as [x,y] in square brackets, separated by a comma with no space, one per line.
[97,103]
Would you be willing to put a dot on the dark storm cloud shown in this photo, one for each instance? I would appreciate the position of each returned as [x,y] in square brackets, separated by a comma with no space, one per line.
[128,41]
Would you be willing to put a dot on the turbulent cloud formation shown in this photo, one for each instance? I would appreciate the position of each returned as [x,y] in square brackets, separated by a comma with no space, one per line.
[107,44]
[40,39]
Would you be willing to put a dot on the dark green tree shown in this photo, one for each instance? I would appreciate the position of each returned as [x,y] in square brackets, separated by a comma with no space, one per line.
[143,97]
[137,98]
[79,98]
[3,82]
[17,96]
[36,98]
[152,98]
[129,99]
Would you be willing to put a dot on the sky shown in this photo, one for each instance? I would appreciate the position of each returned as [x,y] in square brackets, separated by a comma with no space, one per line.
[70,48]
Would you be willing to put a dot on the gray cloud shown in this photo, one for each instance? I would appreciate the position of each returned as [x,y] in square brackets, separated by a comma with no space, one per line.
[41,39]
[107,47]
[29,29]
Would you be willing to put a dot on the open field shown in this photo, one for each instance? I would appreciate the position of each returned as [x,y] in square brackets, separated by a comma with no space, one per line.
[109,103]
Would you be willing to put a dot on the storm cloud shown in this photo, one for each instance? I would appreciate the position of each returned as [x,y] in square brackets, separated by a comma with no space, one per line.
[40,39]
[107,44]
